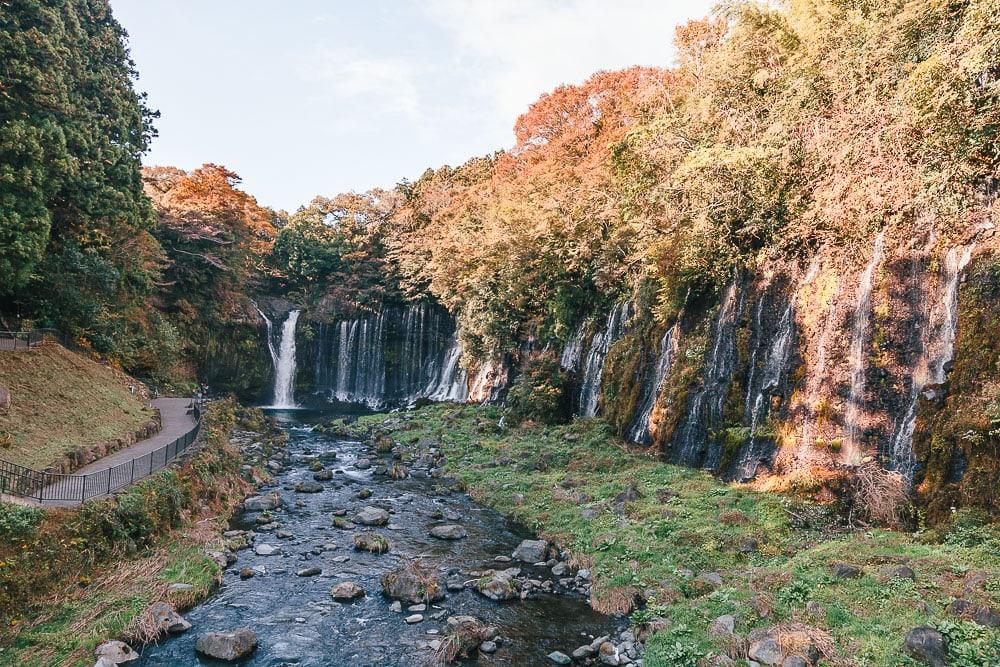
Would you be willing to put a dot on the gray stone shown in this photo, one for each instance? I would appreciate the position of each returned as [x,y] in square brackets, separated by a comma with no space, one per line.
[362,464]
[488,647]
[414,618]
[309,572]
[227,646]
[584,652]
[531,551]
[794,661]
[560,658]
[115,652]
[308,487]
[767,651]
[845,571]
[723,626]
[926,645]
[372,516]
[267,550]
[347,590]
[448,532]
[165,617]
[259,503]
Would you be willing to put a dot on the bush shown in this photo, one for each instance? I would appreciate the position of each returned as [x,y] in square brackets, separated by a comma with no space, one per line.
[540,394]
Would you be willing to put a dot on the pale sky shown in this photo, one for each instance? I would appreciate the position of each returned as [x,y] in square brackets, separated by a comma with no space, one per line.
[303,97]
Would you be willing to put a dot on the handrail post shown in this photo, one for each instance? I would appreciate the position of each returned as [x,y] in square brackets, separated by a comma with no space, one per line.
[133,471]
[83,489]
[109,480]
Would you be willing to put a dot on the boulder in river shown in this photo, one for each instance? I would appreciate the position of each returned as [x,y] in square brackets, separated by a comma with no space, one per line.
[449,532]
[115,653]
[412,584]
[499,584]
[531,551]
[164,617]
[308,487]
[227,646]
[372,542]
[260,503]
[372,516]
[267,550]
[346,590]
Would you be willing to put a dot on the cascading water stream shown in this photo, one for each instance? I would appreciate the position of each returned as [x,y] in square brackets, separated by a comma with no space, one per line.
[639,431]
[284,366]
[573,352]
[590,388]
[939,349]
[859,342]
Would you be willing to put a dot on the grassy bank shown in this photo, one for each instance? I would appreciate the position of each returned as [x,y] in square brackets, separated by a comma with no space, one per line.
[70,579]
[647,530]
[61,401]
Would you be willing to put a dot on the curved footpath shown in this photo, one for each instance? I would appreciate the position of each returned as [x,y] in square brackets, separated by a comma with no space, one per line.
[176,419]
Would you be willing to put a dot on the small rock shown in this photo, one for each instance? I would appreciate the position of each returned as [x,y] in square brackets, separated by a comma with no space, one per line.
[227,646]
[308,487]
[767,651]
[323,476]
[844,571]
[414,618]
[246,573]
[584,652]
[449,532]
[488,647]
[309,572]
[347,590]
[362,464]
[372,516]
[560,658]
[926,645]
[986,617]
[115,653]
[898,572]
[266,550]
[559,569]
[531,551]
[166,618]
[260,503]
[794,661]
[396,607]
[723,626]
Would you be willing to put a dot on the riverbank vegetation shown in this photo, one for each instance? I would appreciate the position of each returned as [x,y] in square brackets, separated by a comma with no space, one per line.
[72,578]
[654,536]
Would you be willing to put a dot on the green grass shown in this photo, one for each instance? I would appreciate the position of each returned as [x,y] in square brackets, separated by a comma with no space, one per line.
[535,475]
[61,401]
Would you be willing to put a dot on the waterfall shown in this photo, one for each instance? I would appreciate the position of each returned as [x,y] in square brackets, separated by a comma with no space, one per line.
[284,364]
[392,357]
[939,348]
[573,352]
[639,431]
[614,329]
[706,404]
[270,335]
[859,340]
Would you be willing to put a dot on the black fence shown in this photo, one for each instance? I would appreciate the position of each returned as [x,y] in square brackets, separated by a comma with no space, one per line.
[23,340]
[45,486]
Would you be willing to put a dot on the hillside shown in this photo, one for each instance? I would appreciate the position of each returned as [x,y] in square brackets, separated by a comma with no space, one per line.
[62,401]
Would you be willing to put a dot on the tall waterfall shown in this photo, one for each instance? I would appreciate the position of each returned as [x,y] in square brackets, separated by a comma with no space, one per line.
[394,356]
[939,348]
[590,389]
[705,406]
[282,358]
[573,351]
[639,431]
[859,342]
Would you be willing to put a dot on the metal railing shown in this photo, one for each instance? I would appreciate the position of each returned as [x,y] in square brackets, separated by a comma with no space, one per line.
[46,486]
[23,340]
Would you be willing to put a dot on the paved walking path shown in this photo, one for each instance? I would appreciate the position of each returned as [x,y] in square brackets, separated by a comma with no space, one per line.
[176,420]
[176,417]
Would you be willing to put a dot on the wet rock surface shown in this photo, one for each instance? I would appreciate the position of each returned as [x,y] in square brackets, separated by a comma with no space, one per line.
[341,615]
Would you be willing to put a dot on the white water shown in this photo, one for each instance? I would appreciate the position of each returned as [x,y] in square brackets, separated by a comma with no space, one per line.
[284,364]
[639,432]
[573,352]
[590,388]
[939,349]
[859,345]
[452,383]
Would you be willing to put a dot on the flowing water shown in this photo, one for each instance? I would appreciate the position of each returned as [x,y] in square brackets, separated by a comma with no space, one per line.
[857,356]
[390,358]
[639,431]
[938,351]
[284,365]
[298,623]
[590,384]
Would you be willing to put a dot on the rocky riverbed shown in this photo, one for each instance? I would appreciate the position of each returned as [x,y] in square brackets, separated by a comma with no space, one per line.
[367,553]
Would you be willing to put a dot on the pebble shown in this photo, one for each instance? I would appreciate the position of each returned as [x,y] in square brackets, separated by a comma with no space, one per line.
[414,618]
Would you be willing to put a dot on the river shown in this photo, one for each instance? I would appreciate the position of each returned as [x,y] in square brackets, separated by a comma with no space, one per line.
[298,623]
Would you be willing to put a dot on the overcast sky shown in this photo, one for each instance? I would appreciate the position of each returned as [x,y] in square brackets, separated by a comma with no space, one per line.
[303,97]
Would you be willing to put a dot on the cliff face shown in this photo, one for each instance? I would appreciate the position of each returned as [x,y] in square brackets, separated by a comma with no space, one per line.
[888,352]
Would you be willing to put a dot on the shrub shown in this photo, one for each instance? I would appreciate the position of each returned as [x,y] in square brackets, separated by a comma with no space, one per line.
[540,393]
